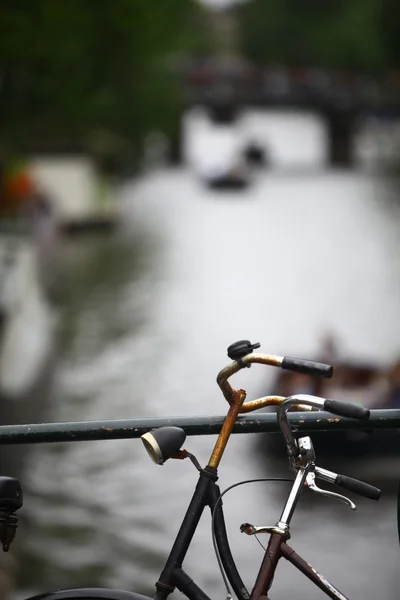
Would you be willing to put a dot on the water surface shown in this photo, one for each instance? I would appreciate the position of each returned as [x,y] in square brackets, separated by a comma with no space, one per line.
[148,315]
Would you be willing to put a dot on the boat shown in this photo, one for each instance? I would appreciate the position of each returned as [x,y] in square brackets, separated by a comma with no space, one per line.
[235,177]
[354,380]
[82,195]
[218,159]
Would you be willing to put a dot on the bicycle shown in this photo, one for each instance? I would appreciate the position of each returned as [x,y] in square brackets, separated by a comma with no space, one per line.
[166,443]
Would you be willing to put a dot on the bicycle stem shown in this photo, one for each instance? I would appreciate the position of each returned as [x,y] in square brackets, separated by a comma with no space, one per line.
[239,397]
[303,399]
[282,526]
[293,498]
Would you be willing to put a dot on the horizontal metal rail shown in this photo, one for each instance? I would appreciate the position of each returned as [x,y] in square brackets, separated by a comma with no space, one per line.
[83,431]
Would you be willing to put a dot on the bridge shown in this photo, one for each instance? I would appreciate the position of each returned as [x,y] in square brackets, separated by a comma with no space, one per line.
[340,97]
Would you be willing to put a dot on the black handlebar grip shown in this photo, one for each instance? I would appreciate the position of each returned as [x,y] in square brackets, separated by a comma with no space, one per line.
[359,487]
[346,409]
[307,367]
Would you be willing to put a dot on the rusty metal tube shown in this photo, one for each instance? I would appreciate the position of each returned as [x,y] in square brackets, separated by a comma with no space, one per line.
[229,422]
[234,367]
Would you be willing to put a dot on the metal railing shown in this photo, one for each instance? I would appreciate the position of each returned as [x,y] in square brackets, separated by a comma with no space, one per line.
[83,431]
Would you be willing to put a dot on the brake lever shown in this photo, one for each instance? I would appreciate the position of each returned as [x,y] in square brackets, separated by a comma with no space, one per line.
[310,482]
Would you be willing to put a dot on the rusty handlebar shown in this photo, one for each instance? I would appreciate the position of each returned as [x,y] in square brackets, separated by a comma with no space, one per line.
[284,362]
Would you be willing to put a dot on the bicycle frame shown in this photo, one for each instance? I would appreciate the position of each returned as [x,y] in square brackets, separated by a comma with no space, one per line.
[207,493]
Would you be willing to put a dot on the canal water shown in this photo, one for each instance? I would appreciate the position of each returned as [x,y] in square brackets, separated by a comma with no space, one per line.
[147,315]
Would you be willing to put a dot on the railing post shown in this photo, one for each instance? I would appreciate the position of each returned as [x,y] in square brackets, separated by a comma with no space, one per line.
[340,133]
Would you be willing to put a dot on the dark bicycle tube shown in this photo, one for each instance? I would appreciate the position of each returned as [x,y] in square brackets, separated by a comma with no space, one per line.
[187,586]
[307,570]
[199,501]
[223,545]
[268,567]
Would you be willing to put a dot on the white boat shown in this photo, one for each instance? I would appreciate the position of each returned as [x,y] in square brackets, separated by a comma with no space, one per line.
[26,316]
[83,199]
[218,159]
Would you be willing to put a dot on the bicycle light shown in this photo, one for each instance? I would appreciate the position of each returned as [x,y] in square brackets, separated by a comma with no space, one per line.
[163,443]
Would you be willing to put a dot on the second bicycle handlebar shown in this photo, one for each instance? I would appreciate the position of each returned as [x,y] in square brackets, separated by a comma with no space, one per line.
[336,407]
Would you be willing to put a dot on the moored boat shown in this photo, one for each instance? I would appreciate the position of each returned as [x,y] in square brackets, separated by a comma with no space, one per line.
[219,160]
[356,381]
[232,178]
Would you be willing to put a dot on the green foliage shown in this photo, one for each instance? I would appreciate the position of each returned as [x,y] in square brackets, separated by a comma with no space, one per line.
[333,33]
[68,66]
[389,28]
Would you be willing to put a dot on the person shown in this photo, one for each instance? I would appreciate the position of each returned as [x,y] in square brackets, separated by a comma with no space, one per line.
[17,187]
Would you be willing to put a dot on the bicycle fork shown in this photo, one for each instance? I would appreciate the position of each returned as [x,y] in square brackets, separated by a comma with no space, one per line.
[277,547]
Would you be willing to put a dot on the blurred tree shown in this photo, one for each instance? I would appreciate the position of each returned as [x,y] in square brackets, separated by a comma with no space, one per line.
[389,28]
[359,35]
[69,67]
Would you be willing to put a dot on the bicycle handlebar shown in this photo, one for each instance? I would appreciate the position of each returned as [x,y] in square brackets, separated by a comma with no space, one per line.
[358,487]
[307,367]
[337,407]
[297,365]
[346,409]
[349,483]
